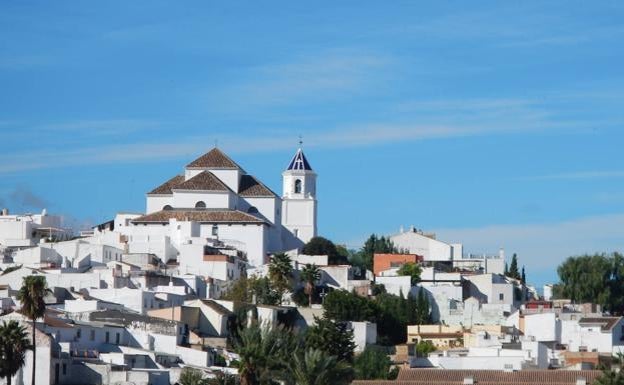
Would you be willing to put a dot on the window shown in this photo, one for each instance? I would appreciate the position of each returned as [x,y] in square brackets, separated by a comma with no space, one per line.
[117,338]
[78,333]
[215,230]
[167,207]
[501,297]
[64,369]
[92,335]
[297,186]
[200,205]
[252,210]
[107,337]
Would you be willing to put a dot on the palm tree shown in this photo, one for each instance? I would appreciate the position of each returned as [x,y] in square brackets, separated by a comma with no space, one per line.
[263,353]
[315,367]
[310,274]
[31,296]
[13,346]
[280,273]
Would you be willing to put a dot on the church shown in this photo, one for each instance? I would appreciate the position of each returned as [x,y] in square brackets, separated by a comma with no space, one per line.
[216,199]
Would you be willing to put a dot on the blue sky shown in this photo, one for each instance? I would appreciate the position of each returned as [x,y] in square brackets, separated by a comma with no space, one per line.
[495,124]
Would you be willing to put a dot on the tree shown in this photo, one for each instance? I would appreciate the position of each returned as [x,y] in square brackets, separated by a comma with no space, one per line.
[222,378]
[280,273]
[263,352]
[523,276]
[332,337]
[513,268]
[423,348]
[317,367]
[190,376]
[13,346]
[323,246]
[310,274]
[253,289]
[592,278]
[423,310]
[31,296]
[372,364]
[374,245]
[413,270]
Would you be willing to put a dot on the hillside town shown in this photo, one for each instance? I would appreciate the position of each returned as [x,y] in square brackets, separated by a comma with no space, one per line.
[222,280]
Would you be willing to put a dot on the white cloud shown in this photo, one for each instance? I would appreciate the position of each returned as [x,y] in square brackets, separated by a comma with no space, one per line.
[543,246]
[577,175]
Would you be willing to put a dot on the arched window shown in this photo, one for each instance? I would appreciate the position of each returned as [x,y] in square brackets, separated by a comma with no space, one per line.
[200,205]
[252,210]
[167,207]
[297,186]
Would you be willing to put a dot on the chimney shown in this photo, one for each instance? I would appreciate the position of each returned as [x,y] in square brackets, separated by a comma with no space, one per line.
[581,381]
[5,211]
[469,380]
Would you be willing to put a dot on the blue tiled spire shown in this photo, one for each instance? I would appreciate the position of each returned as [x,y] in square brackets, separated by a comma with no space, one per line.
[299,162]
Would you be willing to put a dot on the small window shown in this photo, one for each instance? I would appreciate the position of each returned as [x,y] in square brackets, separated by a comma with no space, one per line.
[215,230]
[107,337]
[92,335]
[117,338]
[200,205]
[252,210]
[64,369]
[297,186]
[167,207]
[78,333]
[501,296]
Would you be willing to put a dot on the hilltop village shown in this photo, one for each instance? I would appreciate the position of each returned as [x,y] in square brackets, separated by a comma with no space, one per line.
[219,262]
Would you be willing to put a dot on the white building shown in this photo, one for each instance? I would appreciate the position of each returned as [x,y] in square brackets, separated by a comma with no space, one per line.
[216,200]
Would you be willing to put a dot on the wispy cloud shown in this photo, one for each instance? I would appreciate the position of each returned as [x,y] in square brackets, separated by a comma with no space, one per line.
[543,246]
[576,175]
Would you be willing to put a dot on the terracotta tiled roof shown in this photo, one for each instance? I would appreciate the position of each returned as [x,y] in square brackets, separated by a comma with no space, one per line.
[214,158]
[205,181]
[166,187]
[207,216]
[250,187]
[487,377]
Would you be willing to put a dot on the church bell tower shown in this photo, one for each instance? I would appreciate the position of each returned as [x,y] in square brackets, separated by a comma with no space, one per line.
[299,200]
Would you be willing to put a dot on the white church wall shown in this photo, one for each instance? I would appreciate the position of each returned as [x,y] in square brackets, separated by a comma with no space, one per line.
[267,207]
[158,202]
[230,177]
[213,200]
[250,238]
[300,218]
[416,243]
[190,172]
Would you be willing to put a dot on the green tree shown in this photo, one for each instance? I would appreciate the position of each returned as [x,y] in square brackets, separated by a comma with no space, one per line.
[373,364]
[222,378]
[513,268]
[310,274]
[423,309]
[191,376]
[423,348]
[332,337]
[263,353]
[323,246]
[31,295]
[250,289]
[592,278]
[317,367]
[412,269]
[375,244]
[13,346]
[280,273]
[523,276]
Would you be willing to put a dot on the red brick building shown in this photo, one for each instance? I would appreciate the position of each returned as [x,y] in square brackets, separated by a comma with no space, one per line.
[383,262]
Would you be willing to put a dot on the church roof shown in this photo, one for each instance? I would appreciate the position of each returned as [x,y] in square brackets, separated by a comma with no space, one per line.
[204,215]
[299,162]
[166,187]
[252,187]
[204,181]
[214,158]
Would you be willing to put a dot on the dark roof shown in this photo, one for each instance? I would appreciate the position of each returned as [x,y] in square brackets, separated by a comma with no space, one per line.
[204,181]
[606,323]
[251,187]
[214,158]
[486,377]
[205,215]
[166,187]
[299,162]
